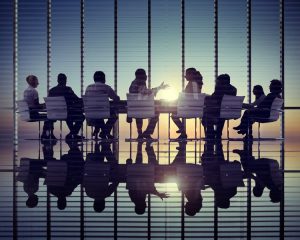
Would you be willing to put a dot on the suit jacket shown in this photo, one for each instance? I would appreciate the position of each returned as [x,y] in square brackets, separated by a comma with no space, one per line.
[213,102]
[72,100]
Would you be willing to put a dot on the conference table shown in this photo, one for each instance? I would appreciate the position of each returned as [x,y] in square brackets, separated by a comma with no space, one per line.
[161,106]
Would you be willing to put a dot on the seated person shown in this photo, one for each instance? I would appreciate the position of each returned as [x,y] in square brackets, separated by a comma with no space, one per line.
[262,110]
[138,85]
[259,94]
[98,88]
[31,96]
[213,104]
[74,104]
[264,171]
[194,85]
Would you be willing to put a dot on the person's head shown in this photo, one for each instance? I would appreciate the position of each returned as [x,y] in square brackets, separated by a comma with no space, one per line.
[223,202]
[140,207]
[199,78]
[32,201]
[223,79]
[99,205]
[99,76]
[129,161]
[32,81]
[190,74]
[61,203]
[191,208]
[62,79]
[140,74]
[275,195]
[258,90]
[258,190]
[276,86]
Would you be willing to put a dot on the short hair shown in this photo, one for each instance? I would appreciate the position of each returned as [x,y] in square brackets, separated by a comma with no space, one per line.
[61,203]
[99,76]
[258,190]
[62,79]
[140,71]
[99,205]
[276,86]
[275,195]
[32,201]
[140,208]
[191,208]
[30,79]
[223,79]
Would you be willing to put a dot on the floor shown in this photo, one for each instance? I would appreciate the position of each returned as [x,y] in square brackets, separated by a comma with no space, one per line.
[227,189]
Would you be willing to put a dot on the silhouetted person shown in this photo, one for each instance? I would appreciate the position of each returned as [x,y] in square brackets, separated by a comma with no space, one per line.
[30,179]
[75,116]
[213,104]
[138,85]
[217,172]
[266,170]
[262,110]
[195,83]
[98,174]
[62,184]
[259,94]
[140,178]
[190,180]
[31,96]
[96,89]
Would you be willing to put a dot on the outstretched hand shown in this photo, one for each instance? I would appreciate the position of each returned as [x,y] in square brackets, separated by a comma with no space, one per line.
[163,86]
[163,195]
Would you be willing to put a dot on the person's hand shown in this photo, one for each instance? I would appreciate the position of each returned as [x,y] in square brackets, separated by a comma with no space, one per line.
[163,86]
[163,195]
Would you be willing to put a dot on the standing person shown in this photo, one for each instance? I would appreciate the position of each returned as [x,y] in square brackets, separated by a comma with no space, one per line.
[138,85]
[98,88]
[262,110]
[213,105]
[74,104]
[195,83]
[31,96]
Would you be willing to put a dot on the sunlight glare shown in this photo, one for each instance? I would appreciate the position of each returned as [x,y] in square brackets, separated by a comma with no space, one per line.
[168,94]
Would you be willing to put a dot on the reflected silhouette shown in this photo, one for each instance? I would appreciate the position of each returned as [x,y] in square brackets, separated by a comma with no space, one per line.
[98,173]
[64,175]
[264,171]
[189,180]
[101,174]
[140,178]
[31,170]
[221,175]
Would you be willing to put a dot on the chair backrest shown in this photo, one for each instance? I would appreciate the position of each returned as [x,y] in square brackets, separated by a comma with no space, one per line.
[140,176]
[96,107]
[190,105]
[275,109]
[140,106]
[190,177]
[56,108]
[231,174]
[56,173]
[231,107]
[23,110]
[96,173]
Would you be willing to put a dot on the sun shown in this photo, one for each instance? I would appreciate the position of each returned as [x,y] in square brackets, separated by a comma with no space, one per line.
[168,94]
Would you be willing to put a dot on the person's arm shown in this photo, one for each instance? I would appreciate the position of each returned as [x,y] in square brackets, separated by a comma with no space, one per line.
[160,87]
[37,104]
[160,195]
[112,94]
